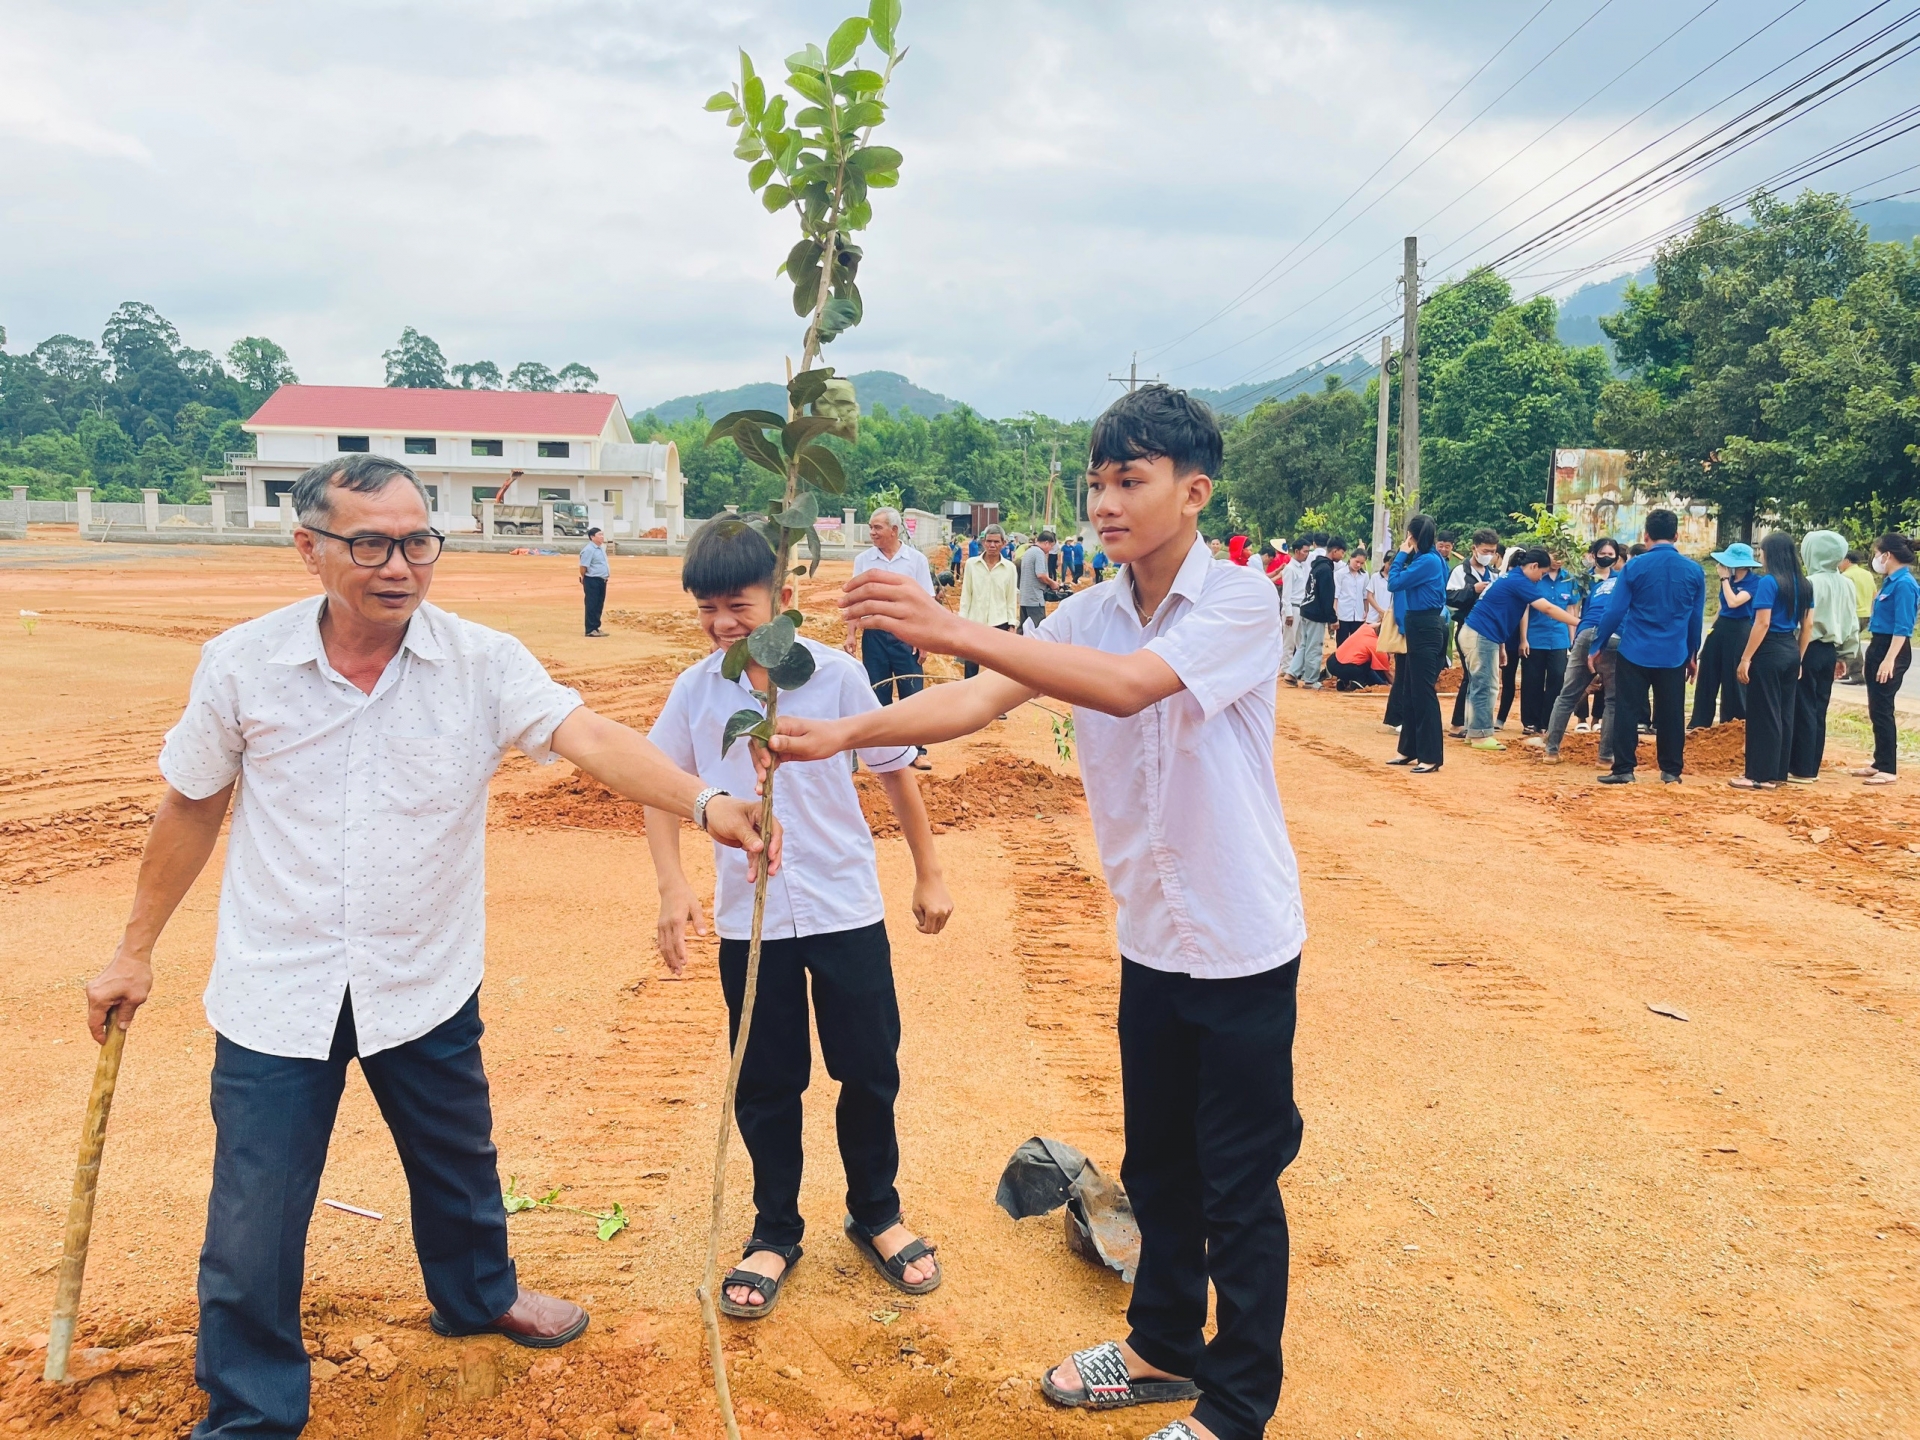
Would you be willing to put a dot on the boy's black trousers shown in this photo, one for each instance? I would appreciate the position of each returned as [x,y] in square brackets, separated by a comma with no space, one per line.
[1207,1071]
[859,1022]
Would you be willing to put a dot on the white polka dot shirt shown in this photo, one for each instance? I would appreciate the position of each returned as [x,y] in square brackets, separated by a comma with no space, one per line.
[357,857]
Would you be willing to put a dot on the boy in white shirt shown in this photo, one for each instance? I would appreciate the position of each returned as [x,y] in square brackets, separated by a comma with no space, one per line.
[1171,670]
[824,918]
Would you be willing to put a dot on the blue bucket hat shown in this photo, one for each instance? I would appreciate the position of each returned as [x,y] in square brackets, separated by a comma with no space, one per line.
[1738,556]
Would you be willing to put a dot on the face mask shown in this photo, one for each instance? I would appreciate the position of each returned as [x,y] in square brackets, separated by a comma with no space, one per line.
[1880,563]
[1603,562]
[1483,561]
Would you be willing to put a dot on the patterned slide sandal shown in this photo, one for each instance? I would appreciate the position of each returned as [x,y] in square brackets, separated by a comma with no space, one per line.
[1103,1373]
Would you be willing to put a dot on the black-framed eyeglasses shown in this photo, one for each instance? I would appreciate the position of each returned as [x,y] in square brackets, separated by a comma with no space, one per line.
[373,551]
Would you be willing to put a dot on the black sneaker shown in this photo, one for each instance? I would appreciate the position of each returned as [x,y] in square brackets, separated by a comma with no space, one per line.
[1667,777]
[1611,779]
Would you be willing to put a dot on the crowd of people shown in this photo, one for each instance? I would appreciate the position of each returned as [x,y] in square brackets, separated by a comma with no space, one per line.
[1610,647]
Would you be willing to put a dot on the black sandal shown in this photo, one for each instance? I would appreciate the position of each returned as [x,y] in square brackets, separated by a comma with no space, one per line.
[894,1271]
[1107,1386]
[1401,760]
[1423,769]
[768,1286]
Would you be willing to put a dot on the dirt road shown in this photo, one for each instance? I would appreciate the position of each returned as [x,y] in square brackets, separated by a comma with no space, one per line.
[1528,1205]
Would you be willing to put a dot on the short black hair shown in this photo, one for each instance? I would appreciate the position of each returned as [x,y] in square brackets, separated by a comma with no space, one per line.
[1536,555]
[1639,547]
[1449,537]
[1420,527]
[1486,537]
[1334,542]
[593,530]
[1154,422]
[1603,542]
[1662,525]
[726,556]
[364,473]
[1899,546]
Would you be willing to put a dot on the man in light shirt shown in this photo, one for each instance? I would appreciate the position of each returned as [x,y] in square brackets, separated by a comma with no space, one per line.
[1350,596]
[594,574]
[989,589]
[1036,583]
[1171,670]
[367,724]
[1293,591]
[894,668]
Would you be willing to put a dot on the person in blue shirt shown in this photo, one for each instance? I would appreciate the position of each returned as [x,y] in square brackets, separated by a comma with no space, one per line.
[1770,665]
[1727,641]
[1493,629]
[1889,651]
[1418,582]
[1099,565]
[1657,610]
[1544,643]
[1578,679]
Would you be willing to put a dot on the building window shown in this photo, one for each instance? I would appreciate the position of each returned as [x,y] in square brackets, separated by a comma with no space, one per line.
[422,445]
[277,488]
[433,497]
[490,447]
[485,492]
[357,444]
[615,502]
[555,492]
[555,449]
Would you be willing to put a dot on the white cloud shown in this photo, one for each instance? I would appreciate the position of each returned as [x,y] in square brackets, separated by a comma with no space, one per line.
[538,181]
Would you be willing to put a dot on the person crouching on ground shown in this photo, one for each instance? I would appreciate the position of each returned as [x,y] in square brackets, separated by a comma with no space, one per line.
[824,920]
[1889,652]
[366,724]
[1357,663]
[1171,669]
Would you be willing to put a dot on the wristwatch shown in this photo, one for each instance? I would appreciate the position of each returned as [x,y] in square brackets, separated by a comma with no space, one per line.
[700,803]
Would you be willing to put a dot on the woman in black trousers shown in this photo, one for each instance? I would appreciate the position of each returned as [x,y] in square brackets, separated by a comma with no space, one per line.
[1889,652]
[1770,667]
[1418,582]
[1727,641]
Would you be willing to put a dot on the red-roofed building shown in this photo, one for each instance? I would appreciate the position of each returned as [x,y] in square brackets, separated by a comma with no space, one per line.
[511,447]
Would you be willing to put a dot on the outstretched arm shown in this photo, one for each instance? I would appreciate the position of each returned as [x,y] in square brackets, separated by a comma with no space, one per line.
[628,763]
[945,712]
[182,837]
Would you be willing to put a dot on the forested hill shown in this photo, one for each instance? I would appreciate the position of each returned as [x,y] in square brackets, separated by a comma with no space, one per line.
[874,387]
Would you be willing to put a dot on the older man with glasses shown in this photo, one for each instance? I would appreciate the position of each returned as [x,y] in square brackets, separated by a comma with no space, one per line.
[367,724]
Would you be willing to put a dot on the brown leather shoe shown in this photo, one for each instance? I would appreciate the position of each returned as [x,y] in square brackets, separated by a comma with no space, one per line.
[540,1322]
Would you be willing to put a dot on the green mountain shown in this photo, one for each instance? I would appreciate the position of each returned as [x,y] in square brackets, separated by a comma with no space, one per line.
[1356,370]
[874,387]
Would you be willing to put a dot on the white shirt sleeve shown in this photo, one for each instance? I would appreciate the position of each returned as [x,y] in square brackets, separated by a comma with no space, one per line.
[201,754]
[673,731]
[923,570]
[529,704]
[1225,645]
[863,561]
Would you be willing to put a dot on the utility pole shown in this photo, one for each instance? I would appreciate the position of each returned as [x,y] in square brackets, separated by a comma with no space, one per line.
[1132,378]
[1053,480]
[1410,380]
[1380,456]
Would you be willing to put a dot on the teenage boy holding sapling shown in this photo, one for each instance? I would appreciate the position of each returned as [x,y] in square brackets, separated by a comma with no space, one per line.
[824,918]
[1171,668]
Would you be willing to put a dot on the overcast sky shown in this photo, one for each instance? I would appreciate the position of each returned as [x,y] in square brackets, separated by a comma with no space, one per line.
[539,181]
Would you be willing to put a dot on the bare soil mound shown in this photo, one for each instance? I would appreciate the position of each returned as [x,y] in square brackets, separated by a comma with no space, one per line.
[1716,750]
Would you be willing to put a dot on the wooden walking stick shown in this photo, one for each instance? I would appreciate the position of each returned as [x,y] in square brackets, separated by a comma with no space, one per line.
[86,1178]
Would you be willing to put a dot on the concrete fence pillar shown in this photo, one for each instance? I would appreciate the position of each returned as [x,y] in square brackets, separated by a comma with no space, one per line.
[486,519]
[286,513]
[217,502]
[546,521]
[150,510]
[83,503]
[19,494]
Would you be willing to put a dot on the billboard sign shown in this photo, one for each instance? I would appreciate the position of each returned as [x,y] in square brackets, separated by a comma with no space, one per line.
[1592,488]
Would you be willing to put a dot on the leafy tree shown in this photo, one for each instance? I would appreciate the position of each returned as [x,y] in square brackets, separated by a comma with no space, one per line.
[415,362]
[531,375]
[577,377]
[261,365]
[478,375]
[1287,456]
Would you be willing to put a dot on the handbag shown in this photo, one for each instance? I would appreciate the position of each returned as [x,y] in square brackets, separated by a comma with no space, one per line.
[1392,641]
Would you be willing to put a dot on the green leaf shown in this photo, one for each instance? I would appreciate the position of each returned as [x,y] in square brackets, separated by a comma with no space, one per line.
[863,114]
[807,60]
[796,434]
[776,197]
[794,671]
[863,82]
[858,217]
[882,180]
[820,466]
[770,642]
[808,386]
[720,100]
[875,157]
[756,447]
[760,174]
[810,116]
[776,117]
[806,291]
[838,314]
[727,423]
[846,39]
[813,550]
[751,146]
[795,616]
[809,85]
[613,1223]
[734,664]
[753,95]
[741,722]
[801,514]
[883,17]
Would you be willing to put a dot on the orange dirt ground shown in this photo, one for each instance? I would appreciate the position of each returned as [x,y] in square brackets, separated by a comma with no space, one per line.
[1528,1205]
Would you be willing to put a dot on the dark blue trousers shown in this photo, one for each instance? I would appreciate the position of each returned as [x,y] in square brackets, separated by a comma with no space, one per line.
[892,667]
[273,1117]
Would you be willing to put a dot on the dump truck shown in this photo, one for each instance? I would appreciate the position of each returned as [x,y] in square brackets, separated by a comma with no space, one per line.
[569,518]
